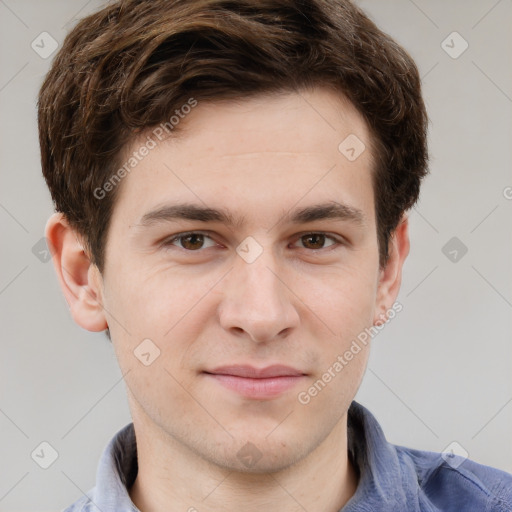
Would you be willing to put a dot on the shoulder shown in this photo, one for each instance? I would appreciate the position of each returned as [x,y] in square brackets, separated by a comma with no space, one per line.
[456,483]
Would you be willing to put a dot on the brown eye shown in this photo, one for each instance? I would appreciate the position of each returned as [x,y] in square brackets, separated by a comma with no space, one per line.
[313,240]
[193,241]
[316,241]
[319,241]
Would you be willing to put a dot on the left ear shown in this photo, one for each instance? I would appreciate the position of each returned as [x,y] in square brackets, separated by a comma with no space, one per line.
[390,277]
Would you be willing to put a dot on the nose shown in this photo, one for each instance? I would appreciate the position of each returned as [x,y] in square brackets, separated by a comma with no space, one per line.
[257,302]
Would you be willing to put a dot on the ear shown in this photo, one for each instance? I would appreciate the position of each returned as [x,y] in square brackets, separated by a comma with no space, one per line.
[390,277]
[80,280]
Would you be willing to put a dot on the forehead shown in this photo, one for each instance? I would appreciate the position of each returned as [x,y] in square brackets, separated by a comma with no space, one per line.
[256,154]
[277,122]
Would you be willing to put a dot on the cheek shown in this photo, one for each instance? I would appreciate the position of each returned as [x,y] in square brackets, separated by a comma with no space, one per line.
[172,311]
[344,300]
[159,391]
[329,394]
[154,305]
[346,308]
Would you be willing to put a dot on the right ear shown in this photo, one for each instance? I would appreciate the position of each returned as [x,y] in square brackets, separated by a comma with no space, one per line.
[80,280]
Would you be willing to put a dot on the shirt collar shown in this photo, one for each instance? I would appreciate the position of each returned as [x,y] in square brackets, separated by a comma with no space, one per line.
[116,473]
[384,483]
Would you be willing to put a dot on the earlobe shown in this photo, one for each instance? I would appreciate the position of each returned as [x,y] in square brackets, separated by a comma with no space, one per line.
[390,277]
[79,278]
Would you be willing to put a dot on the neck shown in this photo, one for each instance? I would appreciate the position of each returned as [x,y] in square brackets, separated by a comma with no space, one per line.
[171,477]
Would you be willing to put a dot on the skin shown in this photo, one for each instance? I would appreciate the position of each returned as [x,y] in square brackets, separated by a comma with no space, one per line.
[301,302]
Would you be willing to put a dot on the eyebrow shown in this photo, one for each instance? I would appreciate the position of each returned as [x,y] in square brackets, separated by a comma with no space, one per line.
[190,211]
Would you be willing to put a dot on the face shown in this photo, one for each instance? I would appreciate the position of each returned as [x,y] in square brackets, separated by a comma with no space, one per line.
[251,301]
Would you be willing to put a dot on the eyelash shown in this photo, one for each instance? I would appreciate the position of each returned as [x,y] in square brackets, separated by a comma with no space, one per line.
[169,242]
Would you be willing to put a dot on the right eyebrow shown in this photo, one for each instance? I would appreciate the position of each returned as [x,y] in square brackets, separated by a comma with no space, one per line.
[188,211]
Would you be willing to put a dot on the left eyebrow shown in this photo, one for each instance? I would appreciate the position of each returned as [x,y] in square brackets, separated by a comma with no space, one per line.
[190,211]
[332,210]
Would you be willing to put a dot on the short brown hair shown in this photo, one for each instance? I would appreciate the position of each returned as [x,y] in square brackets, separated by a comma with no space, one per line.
[129,66]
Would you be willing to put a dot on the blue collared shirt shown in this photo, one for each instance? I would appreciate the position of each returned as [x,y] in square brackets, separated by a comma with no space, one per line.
[391,478]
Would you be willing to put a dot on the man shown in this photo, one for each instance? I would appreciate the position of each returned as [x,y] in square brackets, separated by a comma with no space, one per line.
[232,183]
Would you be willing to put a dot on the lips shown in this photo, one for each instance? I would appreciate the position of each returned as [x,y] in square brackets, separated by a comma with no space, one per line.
[256,383]
[247,371]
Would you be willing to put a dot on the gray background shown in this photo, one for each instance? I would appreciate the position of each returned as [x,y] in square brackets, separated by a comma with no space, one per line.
[439,372]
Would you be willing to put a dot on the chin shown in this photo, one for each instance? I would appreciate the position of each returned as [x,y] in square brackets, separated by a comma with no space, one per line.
[258,455]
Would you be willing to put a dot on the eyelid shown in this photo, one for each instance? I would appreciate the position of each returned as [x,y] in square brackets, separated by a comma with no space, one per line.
[168,241]
[339,240]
